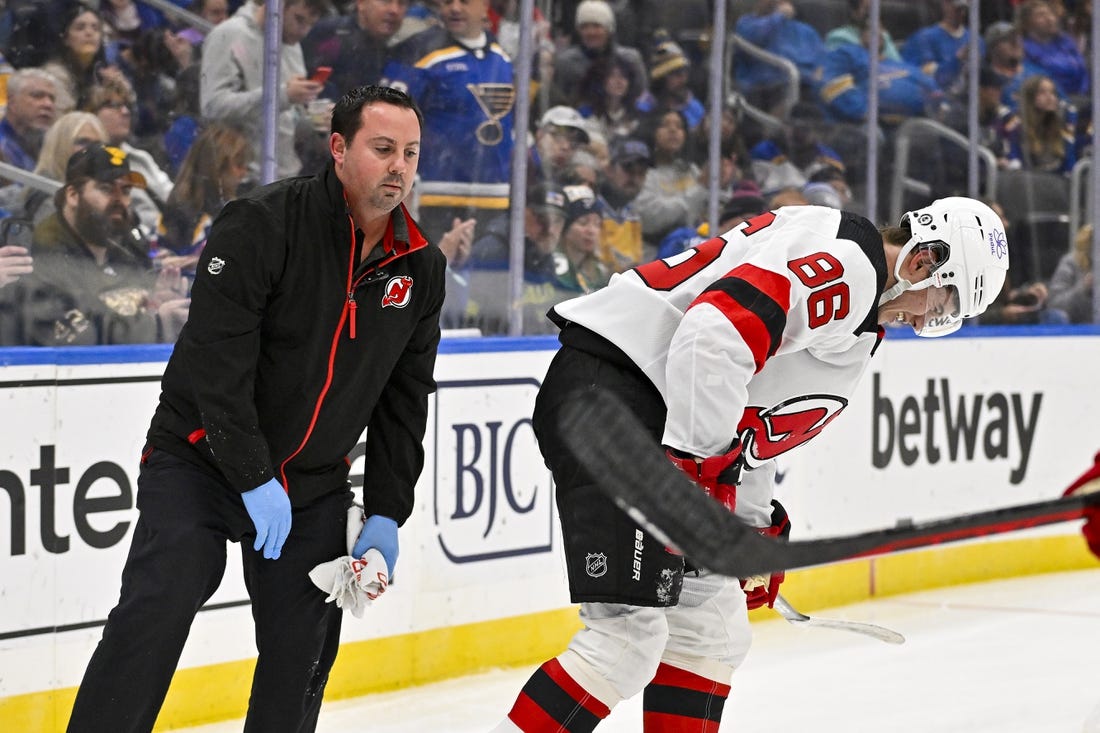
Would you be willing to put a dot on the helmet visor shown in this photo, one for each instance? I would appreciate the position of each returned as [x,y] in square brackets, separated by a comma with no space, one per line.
[944,314]
[935,253]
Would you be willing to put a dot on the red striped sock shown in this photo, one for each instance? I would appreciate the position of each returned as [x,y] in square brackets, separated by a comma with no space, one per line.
[553,702]
[678,701]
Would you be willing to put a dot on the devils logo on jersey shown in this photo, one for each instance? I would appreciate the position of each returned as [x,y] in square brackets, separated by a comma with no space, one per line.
[398,291]
[768,432]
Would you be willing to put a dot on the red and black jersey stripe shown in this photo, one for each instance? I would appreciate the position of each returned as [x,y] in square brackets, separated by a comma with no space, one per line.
[756,302]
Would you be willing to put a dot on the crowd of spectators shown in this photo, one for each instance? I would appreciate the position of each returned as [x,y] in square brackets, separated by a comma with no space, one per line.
[171,116]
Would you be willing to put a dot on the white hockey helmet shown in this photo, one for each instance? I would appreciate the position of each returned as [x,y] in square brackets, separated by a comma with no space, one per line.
[969,251]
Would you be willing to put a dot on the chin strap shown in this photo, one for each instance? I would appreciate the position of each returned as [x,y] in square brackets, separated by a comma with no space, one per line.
[902,284]
[900,287]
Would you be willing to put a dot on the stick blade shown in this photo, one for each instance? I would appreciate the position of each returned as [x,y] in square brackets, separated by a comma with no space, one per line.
[794,616]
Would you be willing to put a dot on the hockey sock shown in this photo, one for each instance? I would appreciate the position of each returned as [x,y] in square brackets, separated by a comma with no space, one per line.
[554,702]
[678,701]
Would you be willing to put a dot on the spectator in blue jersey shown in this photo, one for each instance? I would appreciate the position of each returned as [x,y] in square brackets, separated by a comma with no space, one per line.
[463,81]
[851,32]
[356,46]
[621,244]
[595,27]
[773,27]
[940,50]
[1041,136]
[792,158]
[32,108]
[669,74]
[904,90]
[1049,47]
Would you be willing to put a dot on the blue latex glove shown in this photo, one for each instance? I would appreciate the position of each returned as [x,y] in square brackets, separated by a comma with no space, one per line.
[269,508]
[380,533]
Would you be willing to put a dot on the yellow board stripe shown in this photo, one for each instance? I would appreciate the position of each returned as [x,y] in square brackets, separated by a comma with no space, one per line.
[476,202]
[203,695]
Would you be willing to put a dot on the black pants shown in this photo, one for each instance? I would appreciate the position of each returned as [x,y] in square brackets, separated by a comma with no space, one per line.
[609,557]
[176,562]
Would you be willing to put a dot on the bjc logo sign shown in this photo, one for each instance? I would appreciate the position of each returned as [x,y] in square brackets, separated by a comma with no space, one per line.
[493,493]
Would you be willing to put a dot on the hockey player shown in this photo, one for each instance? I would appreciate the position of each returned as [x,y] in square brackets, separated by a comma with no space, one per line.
[754,341]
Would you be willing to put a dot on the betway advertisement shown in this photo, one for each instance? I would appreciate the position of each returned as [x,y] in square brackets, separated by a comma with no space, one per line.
[934,429]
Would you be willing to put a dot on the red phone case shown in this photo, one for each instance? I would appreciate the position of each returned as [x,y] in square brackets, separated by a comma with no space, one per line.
[321,74]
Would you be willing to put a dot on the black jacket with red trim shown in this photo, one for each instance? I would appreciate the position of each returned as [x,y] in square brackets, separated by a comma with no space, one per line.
[293,347]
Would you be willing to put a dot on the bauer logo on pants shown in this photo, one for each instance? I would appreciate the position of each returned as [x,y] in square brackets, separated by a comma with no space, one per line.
[595,564]
[398,291]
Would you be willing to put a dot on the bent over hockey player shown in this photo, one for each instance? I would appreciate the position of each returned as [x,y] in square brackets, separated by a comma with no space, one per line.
[778,317]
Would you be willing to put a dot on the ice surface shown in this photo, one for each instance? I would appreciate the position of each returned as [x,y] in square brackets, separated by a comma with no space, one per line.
[1013,656]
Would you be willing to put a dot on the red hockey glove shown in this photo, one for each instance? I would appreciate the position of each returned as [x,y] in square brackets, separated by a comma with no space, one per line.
[1088,483]
[761,590]
[717,475]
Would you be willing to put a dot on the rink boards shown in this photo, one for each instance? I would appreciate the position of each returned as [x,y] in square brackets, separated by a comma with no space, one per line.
[936,428]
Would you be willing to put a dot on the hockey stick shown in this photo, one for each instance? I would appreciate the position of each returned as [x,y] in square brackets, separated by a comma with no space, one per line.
[623,458]
[796,617]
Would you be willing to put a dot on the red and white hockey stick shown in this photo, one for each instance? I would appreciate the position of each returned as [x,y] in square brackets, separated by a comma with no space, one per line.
[620,455]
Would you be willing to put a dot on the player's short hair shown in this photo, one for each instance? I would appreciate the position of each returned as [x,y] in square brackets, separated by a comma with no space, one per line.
[346,117]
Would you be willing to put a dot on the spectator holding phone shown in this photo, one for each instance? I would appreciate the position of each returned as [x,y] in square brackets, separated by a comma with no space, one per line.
[355,47]
[15,262]
[231,87]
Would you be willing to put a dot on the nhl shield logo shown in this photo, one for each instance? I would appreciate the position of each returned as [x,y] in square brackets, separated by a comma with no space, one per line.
[398,291]
[595,564]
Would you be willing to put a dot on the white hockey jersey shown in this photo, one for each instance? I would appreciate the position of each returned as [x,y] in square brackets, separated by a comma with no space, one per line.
[760,334]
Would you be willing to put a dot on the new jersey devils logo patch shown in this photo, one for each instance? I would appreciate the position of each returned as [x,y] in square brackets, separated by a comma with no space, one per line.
[767,433]
[398,291]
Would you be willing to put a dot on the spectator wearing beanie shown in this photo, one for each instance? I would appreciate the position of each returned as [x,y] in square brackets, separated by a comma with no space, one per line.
[669,73]
[595,26]
[577,260]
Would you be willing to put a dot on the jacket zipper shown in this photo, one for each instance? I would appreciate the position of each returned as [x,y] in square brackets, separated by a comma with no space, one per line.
[352,306]
[349,309]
